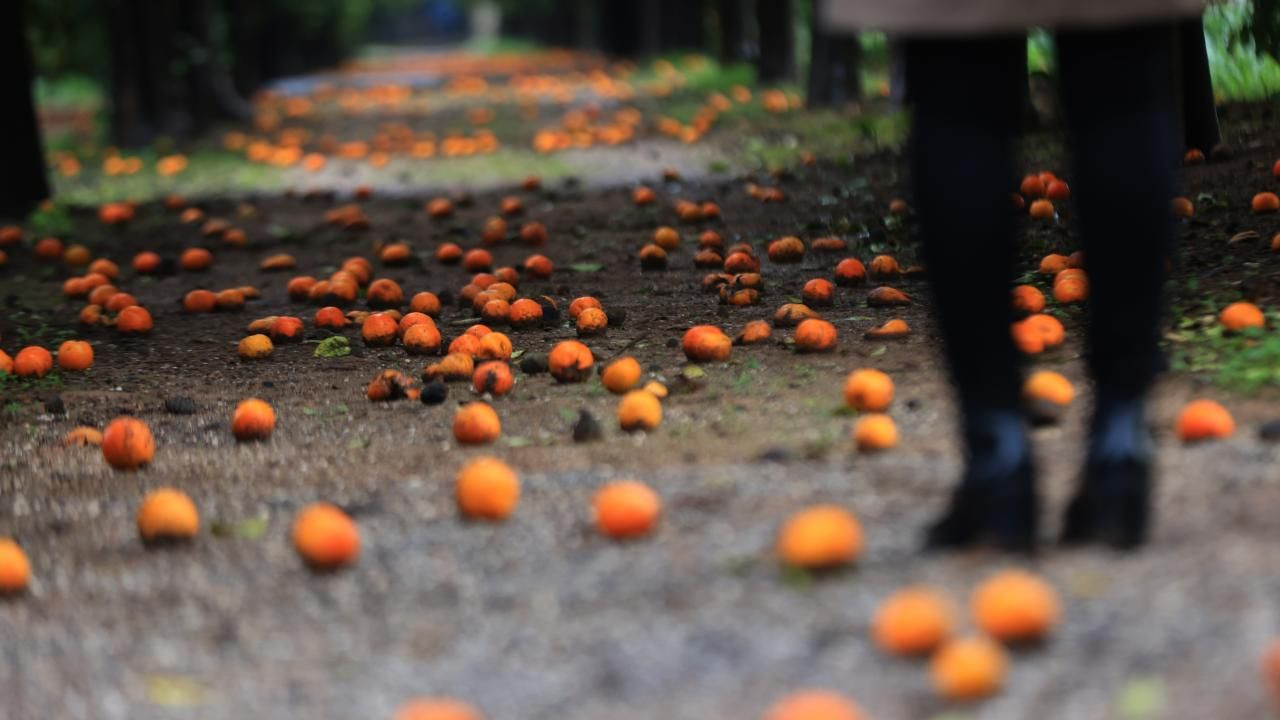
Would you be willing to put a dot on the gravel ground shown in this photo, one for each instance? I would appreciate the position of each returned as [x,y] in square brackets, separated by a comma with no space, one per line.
[540,617]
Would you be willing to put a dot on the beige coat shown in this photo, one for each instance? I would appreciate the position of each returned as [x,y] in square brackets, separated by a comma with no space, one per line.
[969,17]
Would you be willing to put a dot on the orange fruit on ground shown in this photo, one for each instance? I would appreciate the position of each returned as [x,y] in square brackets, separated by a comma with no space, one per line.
[127,444]
[815,335]
[1265,202]
[167,514]
[15,569]
[1183,208]
[1050,387]
[1204,420]
[476,423]
[1028,299]
[134,320]
[1240,315]
[437,709]
[195,259]
[493,377]
[253,419]
[1015,606]
[570,361]
[621,374]
[199,301]
[706,343]
[255,347]
[1042,210]
[82,436]
[913,621]
[32,361]
[626,509]
[823,536]
[875,431]
[814,705]
[1270,660]
[1053,263]
[325,536]
[868,390]
[639,410]
[75,355]
[6,363]
[487,489]
[968,669]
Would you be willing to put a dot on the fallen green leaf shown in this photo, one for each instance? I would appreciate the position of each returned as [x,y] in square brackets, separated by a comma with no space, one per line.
[249,529]
[586,267]
[1141,699]
[175,690]
[336,346]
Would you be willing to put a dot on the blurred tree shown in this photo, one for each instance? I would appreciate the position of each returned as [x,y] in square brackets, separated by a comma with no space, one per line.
[834,64]
[777,59]
[23,184]
[733,30]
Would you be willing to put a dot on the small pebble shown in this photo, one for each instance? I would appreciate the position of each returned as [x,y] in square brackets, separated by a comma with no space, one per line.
[435,393]
[587,429]
[179,405]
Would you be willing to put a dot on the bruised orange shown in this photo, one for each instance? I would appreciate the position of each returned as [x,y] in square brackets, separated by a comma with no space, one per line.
[570,361]
[127,444]
[493,377]
[639,410]
[476,423]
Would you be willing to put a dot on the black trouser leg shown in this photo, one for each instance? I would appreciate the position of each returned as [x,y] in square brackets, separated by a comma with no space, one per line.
[1119,91]
[966,95]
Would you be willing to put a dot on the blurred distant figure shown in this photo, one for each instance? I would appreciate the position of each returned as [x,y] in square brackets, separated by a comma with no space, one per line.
[1119,84]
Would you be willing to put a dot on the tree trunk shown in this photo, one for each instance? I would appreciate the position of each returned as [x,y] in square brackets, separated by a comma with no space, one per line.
[1199,111]
[733,31]
[650,26]
[777,61]
[209,91]
[23,184]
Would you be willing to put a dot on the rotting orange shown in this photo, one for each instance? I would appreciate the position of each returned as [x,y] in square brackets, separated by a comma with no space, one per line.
[493,377]
[639,410]
[127,444]
[476,423]
[570,361]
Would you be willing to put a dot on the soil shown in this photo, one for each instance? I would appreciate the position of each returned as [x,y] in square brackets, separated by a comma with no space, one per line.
[540,617]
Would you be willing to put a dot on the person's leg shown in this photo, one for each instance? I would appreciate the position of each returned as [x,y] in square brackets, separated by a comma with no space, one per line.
[966,96]
[1121,107]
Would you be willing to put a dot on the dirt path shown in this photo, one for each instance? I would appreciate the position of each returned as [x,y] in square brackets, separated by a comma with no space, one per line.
[540,618]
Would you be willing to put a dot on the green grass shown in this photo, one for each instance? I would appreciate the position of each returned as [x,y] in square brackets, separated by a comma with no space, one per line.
[1241,362]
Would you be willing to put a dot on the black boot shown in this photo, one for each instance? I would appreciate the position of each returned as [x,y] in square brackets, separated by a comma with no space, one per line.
[996,503]
[1113,504]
